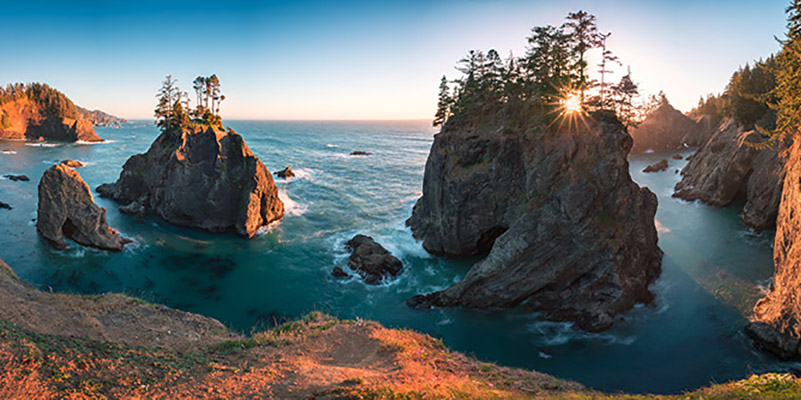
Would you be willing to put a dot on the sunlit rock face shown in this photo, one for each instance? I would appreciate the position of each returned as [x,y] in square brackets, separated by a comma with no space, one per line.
[666,128]
[781,308]
[567,231]
[26,119]
[726,168]
[66,209]
[202,177]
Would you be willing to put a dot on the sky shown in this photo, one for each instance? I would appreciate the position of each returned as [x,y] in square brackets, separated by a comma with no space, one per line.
[346,60]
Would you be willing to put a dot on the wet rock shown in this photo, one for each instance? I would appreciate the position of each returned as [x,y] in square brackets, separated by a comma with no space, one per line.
[202,177]
[17,178]
[727,168]
[361,153]
[371,260]
[66,209]
[677,157]
[339,273]
[73,163]
[657,167]
[772,341]
[285,173]
[5,206]
[567,231]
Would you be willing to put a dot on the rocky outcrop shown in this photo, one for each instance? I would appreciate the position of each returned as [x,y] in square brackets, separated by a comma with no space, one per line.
[568,232]
[5,206]
[361,153]
[201,177]
[657,166]
[67,209]
[371,260]
[777,326]
[100,118]
[38,112]
[666,128]
[72,163]
[17,178]
[726,168]
[285,173]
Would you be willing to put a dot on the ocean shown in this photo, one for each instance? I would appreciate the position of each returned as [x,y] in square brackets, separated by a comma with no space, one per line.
[714,268]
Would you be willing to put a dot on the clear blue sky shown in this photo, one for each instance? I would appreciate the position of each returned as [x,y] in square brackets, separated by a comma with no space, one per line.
[376,59]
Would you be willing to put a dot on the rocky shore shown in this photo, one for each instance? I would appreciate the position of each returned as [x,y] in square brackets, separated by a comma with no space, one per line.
[567,231]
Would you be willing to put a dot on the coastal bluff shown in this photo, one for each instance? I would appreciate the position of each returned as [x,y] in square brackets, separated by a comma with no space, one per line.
[567,231]
[37,111]
[199,176]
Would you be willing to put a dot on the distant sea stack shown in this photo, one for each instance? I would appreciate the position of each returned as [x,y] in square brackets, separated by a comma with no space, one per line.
[67,209]
[666,128]
[199,176]
[567,230]
[727,168]
[37,111]
[100,118]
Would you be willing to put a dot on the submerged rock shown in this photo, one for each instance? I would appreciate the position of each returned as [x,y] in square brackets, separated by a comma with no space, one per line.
[67,209]
[339,273]
[677,157]
[567,230]
[657,166]
[17,178]
[371,260]
[727,168]
[780,310]
[666,128]
[201,177]
[361,153]
[5,206]
[285,173]
[73,163]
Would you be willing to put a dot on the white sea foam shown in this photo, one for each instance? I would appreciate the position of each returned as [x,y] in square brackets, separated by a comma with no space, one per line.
[9,152]
[333,146]
[300,174]
[291,207]
[544,355]
[559,333]
[41,144]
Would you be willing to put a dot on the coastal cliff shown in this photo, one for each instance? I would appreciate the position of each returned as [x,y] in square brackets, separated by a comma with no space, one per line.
[200,176]
[100,118]
[37,111]
[568,232]
[727,168]
[666,128]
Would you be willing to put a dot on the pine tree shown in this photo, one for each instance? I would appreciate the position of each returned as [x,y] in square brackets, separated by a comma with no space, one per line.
[625,92]
[584,36]
[444,103]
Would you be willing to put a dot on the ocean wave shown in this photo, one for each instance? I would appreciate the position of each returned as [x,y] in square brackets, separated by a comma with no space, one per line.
[42,144]
[84,142]
[559,333]
[332,146]
[9,152]
[300,174]
[291,207]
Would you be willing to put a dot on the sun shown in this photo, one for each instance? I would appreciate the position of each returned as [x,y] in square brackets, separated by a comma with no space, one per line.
[571,103]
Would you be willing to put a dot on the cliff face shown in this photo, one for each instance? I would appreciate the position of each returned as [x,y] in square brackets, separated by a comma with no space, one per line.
[781,308]
[567,230]
[66,208]
[25,118]
[725,168]
[666,128]
[201,177]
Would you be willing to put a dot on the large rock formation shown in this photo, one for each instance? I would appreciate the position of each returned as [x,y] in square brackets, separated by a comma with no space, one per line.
[777,326]
[371,260]
[567,230]
[67,209]
[201,177]
[726,168]
[37,111]
[666,128]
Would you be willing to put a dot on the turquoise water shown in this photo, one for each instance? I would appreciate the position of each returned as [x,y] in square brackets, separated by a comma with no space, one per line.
[714,268]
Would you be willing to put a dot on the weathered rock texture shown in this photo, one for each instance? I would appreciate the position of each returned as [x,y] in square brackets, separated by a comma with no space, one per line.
[780,310]
[567,230]
[371,260]
[67,209]
[40,112]
[666,128]
[201,177]
[726,168]
[657,166]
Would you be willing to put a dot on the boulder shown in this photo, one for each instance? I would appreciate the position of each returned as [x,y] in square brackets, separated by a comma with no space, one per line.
[339,273]
[17,178]
[73,163]
[5,206]
[565,230]
[657,166]
[361,153]
[677,157]
[371,260]
[772,341]
[67,209]
[199,176]
[285,173]
[727,168]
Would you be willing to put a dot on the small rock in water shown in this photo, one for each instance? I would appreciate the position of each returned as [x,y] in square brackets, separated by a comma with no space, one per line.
[656,167]
[16,178]
[4,205]
[677,157]
[73,163]
[285,173]
[361,153]
[339,273]
[371,260]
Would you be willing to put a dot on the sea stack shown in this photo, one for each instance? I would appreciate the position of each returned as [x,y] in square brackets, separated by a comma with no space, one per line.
[567,231]
[777,324]
[666,128]
[37,111]
[200,176]
[67,209]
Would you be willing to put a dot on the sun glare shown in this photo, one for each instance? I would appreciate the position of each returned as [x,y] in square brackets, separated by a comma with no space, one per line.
[571,104]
